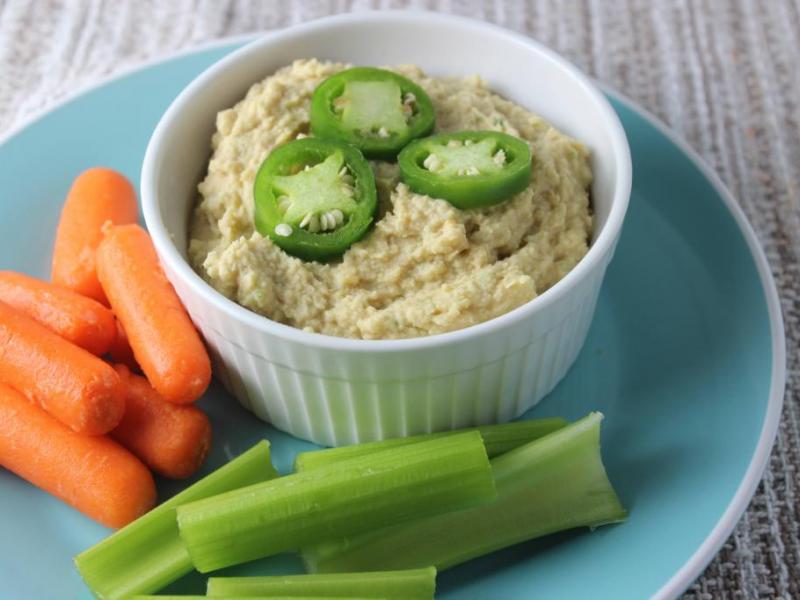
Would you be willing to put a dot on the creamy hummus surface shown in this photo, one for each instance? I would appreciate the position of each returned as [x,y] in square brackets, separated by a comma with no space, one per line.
[426,267]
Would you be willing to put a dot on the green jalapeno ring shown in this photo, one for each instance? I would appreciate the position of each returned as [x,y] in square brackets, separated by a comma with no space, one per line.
[327,123]
[315,191]
[472,172]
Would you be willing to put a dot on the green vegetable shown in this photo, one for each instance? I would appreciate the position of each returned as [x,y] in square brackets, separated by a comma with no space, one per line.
[358,495]
[257,598]
[260,598]
[375,110]
[498,439]
[195,597]
[469,169]
[314,198]
[415,584]
[148,554]
[557,482]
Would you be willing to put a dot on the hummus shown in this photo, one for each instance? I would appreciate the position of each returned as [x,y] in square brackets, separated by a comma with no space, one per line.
[426,267]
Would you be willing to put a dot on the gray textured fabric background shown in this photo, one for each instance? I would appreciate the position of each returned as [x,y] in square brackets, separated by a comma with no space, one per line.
[724,75]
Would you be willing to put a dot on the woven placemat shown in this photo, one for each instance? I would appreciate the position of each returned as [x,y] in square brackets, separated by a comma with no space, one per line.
[723,74]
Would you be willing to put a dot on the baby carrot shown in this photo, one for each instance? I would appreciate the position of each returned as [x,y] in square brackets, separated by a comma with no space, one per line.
[79,389]
[78,319]
[121,351]
[97,196]
[172,440]
[164,341]
[93,474]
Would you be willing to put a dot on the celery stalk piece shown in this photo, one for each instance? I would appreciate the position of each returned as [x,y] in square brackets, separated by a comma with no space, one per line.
[557,482]
[498,439]
[413,584]
[357,495]
[148,554]
[257,598]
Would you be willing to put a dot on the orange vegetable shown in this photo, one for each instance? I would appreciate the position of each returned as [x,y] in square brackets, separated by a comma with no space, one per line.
[93,474]
[97,196]
[121,350]
[77,388]
[78,319]
[164,341]
[172,440]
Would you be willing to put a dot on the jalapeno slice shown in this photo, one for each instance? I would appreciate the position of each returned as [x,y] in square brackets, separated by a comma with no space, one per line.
[375,110]
[314,198]
[469,169]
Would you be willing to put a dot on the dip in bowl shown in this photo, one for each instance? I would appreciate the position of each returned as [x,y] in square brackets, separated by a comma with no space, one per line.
[427,267]
[490,315]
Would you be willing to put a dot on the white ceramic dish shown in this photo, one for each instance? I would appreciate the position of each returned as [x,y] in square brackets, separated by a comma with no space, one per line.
[336,391]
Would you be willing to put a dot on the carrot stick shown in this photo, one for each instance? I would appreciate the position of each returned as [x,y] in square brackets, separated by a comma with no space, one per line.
[93,474]
[96,196]
[164,340]
[79,389]
[172,440]
[121,351]
[78,319]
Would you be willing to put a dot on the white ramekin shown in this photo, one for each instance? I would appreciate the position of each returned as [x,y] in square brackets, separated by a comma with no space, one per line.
[337,391]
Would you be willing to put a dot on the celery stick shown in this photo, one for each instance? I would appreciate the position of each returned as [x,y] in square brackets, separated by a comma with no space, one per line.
[498,439]
[557,482]
[298,510]
[414,584]
[195,597]
[148,554]
[259,598]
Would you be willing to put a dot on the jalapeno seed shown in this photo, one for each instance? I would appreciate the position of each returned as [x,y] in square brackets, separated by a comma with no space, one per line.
[283,229]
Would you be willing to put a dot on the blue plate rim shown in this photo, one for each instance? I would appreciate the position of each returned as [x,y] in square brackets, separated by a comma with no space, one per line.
[710,546]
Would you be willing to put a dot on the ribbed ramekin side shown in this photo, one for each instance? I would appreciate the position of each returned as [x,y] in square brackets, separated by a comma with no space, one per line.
[299,398]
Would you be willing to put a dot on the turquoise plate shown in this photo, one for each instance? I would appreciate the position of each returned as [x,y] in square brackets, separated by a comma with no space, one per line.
[685,357]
